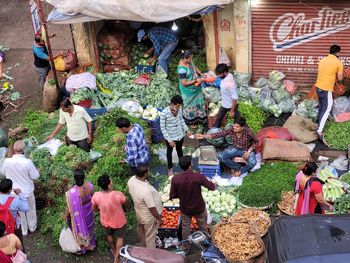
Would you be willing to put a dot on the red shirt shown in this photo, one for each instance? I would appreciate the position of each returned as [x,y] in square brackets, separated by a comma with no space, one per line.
[187,187]
[316,188]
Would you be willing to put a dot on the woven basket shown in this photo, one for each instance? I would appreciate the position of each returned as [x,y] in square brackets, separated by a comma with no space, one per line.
[262,215]
[249,235]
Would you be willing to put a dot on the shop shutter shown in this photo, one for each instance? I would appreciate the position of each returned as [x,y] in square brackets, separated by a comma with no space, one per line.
[292,36]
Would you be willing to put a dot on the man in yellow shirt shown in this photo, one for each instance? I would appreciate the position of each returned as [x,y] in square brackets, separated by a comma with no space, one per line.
[329,69]
[79,127]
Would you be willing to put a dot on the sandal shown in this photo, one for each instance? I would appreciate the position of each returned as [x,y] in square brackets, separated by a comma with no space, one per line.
[170,172]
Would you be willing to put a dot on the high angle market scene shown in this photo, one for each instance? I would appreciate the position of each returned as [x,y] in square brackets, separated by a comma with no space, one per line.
[214,131]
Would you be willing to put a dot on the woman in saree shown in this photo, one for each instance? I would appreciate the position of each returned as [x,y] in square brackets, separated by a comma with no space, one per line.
[309,192]
[79,214]
[194,105]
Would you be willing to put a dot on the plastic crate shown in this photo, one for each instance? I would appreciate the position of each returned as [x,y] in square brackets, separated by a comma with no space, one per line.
[210,170]
[169,232]
[144,69]
[156,132]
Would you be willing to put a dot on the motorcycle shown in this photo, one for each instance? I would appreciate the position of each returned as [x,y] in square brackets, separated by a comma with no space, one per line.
[201,240]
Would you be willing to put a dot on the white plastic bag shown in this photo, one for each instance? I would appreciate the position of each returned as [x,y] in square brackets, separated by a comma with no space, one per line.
[78,81]
[67,241]
[223,58]
[52,145]
[341,105]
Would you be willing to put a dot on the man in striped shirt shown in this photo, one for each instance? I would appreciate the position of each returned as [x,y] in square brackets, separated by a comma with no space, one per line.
[174,129]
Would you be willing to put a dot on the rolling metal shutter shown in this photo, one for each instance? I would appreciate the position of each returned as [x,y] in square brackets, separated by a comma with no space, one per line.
[292,36]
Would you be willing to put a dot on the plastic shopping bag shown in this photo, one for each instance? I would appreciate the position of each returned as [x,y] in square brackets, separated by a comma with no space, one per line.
[67,241]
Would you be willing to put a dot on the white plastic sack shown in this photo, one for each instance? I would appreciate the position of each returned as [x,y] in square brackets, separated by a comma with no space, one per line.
[133,108]
[3,152]
[52,145]
[67,241]
[341,163]
[223,58]
[78,81]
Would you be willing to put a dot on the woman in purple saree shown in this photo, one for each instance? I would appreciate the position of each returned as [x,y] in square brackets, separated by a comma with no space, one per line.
[79,211]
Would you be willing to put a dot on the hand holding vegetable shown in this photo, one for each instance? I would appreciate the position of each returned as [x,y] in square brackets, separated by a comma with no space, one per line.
[172,144]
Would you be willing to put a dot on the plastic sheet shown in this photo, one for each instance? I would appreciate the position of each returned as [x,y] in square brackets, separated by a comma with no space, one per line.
[309,239]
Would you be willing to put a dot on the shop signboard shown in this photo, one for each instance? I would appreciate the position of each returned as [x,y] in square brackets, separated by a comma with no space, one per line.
[293,37]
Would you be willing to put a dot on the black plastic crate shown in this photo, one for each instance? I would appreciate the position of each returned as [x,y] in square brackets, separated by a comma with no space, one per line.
[169,232]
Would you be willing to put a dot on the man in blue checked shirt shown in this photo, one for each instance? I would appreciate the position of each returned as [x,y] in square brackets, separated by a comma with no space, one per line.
[135,147]
[164,42]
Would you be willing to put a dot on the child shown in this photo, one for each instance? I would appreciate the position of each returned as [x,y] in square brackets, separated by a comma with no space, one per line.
[110,205]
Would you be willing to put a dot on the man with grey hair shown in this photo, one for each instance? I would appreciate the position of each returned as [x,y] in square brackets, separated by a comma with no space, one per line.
[22,172]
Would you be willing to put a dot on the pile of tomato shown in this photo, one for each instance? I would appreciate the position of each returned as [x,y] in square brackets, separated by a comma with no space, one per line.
[170,218]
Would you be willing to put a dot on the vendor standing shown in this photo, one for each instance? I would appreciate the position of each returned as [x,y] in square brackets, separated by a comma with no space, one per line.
[228,89]
[173,128]
[79,127]
[136,150]
[187,187]
[164,42]
[308,187]
[41,59]
[244,144]
[329,69]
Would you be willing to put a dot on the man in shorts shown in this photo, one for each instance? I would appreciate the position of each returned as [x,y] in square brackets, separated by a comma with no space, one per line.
[110,205]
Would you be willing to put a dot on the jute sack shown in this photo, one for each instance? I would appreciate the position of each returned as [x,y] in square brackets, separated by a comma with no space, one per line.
[302,129]
[285,150]
[50,97]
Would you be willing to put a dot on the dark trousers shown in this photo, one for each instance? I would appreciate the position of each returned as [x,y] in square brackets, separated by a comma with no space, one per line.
[221,114]
[325,100]
[169,151]
[186,223]
[82,144]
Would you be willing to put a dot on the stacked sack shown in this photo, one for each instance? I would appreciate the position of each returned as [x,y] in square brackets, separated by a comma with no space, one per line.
[114,42]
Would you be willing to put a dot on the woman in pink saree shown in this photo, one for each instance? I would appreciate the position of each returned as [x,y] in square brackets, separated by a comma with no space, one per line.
[79,214]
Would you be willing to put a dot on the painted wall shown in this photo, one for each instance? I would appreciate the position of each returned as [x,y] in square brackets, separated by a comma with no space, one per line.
[233,35]
[242,35]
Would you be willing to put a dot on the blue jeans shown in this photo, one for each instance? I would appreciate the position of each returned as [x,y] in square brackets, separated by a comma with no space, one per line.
[164,57]
[233,152]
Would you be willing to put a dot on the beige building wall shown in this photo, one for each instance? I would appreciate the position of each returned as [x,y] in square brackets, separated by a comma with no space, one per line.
[85,42]
[233,35]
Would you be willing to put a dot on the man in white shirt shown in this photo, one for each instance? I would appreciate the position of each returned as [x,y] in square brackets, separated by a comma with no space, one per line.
[148,206]
[22,172]
[79,127]
[228,89]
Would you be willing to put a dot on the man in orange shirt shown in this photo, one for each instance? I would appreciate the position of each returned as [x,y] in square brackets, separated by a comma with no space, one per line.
[110,204]
[329,69]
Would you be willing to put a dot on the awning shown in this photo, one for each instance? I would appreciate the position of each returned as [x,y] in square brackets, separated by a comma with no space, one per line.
[79,11]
